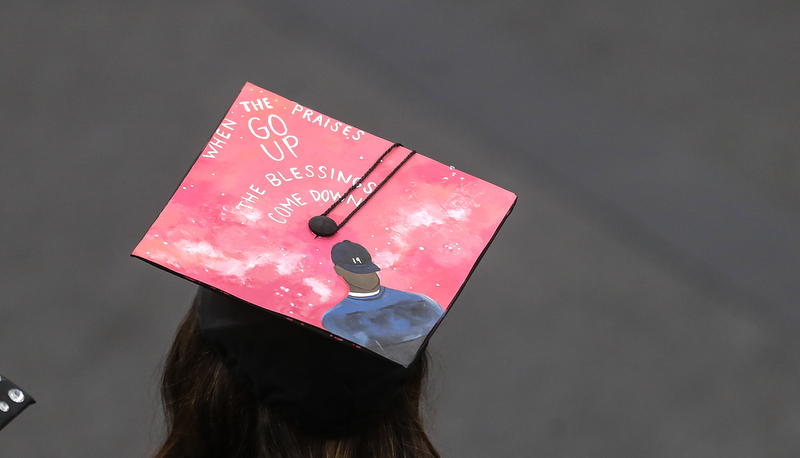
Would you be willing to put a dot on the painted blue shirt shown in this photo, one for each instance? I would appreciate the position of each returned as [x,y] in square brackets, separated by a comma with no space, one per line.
[388,318]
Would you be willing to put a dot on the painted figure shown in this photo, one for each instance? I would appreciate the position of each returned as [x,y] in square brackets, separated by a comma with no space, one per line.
[390,322]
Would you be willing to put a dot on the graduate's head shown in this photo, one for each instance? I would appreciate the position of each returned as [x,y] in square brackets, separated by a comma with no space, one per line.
[354,264]
[243,381]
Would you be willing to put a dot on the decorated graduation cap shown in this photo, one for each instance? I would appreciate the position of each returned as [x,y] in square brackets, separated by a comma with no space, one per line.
[12,401]
[356,239]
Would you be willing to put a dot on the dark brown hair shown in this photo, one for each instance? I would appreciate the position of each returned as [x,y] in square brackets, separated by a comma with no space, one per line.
[211,414]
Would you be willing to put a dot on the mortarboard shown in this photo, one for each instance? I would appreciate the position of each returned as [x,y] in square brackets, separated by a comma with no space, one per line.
[12,401]
[348,235]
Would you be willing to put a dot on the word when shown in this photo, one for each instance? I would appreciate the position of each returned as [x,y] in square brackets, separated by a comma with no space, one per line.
[217,142]
[333,126]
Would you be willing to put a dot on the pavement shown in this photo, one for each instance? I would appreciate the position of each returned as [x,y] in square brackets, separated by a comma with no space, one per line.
[641,301]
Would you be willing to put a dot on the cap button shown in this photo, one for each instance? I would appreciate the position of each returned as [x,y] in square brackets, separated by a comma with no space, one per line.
[323,226]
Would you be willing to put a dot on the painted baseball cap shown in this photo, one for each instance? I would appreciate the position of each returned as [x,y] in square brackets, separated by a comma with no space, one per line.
[353,257]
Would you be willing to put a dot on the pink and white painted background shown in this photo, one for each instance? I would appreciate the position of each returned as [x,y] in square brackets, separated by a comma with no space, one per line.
[239,220]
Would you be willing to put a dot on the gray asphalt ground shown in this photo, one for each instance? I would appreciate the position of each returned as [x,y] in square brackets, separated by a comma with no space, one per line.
[641,301]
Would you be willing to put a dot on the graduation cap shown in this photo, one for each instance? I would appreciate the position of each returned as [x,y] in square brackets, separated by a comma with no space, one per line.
[12,401]
[347,235]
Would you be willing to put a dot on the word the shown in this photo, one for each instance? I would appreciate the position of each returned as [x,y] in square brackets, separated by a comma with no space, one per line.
[257,104]
[250,198]
[282,211]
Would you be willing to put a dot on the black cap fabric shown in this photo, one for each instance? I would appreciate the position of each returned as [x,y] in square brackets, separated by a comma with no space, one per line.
[324,385]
